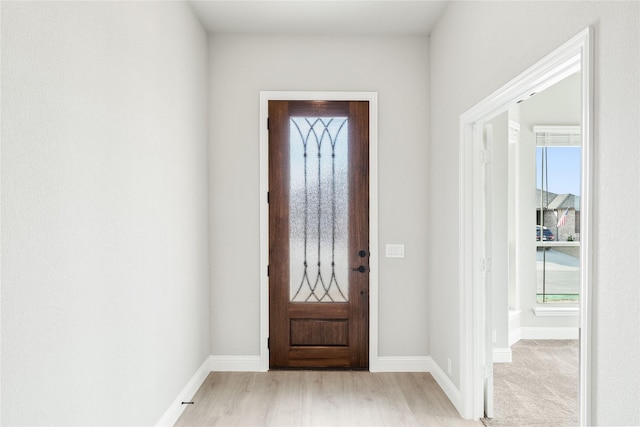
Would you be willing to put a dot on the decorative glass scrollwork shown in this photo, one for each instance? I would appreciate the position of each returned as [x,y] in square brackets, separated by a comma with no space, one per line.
[318,209]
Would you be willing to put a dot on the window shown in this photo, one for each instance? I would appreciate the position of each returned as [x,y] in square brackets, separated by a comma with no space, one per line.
[558,213]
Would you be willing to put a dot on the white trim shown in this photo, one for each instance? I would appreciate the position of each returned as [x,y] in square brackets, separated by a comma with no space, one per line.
[235,363]
[502,355]
[446,385]
[372,98]
[176,408]
[557,311]
[514,332]
[548,244]
[264,232]
[574,55]
[563,129]
[403,364]
[586,272]
[548,333]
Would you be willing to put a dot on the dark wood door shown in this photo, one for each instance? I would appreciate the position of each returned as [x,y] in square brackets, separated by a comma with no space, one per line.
[319,234]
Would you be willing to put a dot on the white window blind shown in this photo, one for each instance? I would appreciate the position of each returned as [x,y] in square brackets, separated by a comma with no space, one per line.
[557,136]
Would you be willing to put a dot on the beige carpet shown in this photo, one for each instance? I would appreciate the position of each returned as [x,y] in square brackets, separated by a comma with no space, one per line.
[540,386]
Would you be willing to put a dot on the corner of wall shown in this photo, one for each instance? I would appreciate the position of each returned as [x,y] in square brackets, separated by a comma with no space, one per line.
[178,405]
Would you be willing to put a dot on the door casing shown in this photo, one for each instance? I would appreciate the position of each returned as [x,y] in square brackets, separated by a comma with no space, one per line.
[577,53]
[372,98]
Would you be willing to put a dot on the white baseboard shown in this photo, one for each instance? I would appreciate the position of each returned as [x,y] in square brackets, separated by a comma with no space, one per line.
[549,333]
[235,363]
[176,408]
[514,326]
[502,355]
[381,364]
[212,363]
[543,333]
[400,364]
[446,385]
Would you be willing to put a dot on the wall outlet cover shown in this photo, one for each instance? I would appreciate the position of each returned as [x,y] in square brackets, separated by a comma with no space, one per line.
[394,250]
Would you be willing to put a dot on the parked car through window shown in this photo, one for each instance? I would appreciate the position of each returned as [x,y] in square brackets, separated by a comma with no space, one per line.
[547,235]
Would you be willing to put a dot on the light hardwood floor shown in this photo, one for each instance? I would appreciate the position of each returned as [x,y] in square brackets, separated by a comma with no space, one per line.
[321,398]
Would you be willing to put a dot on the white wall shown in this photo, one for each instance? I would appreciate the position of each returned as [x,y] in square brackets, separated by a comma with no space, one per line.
[104,210]
[476,48]
[243,65]
[513,212]
[500,229]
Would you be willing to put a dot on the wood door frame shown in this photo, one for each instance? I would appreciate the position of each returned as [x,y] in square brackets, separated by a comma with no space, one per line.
[577,53]
[372,98]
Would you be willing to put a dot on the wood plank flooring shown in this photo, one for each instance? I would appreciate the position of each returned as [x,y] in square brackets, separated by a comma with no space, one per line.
[321,398]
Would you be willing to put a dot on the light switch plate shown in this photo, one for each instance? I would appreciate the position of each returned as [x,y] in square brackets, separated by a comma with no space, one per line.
[394,250]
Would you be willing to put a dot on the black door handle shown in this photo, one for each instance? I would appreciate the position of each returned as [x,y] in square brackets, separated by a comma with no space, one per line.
[361,269]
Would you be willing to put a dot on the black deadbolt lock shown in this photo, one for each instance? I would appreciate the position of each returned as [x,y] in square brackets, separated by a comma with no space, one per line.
[362,254]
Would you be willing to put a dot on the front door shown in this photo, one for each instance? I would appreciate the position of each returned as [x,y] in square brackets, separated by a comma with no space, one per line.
[319,234]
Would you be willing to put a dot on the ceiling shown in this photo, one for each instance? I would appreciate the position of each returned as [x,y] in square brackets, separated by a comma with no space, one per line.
[354,17]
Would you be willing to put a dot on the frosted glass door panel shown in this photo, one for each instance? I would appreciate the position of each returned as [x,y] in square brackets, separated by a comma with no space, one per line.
[318,209]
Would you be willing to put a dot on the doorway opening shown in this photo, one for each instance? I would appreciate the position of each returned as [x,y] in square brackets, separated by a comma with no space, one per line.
[533,289]
[476,251]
